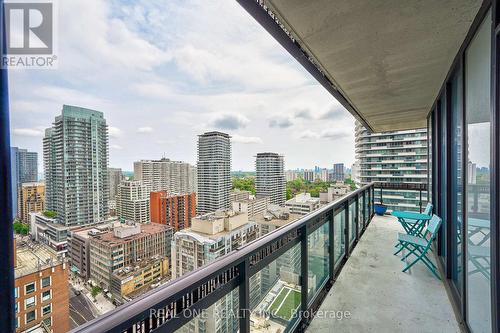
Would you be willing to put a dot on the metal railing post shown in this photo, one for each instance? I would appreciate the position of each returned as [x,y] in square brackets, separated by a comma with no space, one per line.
[244,297]
[304,270]
[347,229]
[331,243]
[420,200]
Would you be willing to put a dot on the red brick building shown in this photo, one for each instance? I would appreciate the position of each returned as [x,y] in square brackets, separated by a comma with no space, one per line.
[175,210]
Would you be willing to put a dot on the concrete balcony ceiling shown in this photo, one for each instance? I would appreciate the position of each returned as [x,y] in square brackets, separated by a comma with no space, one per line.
[387,58]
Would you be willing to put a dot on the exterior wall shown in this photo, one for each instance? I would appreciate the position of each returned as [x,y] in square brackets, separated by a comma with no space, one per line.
[173,210]
[75,153]
[270,177]
[31,200]
[338,172]
[79,254]
[393,157]
[59,300]
[46,231]
[166,175]
[252,207]
[214,172]
[133,201]
[24,169]
[115,177]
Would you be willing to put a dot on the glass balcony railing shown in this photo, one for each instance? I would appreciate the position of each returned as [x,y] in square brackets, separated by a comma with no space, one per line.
[278,279]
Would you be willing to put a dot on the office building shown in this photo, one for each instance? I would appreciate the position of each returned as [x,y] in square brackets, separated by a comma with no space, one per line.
[393,157]
[24,169]
[210,237]
[132,201]
[302,204]
[31,200]
[115,176]
[214,172]
[75,156]
[166,175]
[175,210]
[338,173]
[124,246]
[308,175]
[45,229]
[270,177]
[127,283]
[237,195]
[41,289]
[252,206]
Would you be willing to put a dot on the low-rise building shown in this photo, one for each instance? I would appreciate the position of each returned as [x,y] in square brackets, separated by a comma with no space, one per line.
[175,210]
[334,192]
[31,200]
[237,195]
[46,230]
[131,281]
[125,245]
[302,204]
[252,206]
[41,288]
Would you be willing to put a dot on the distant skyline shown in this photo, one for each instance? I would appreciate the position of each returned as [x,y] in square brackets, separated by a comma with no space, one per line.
[164,72]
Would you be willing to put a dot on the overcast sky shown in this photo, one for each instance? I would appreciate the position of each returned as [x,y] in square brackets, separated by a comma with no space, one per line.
[165,71]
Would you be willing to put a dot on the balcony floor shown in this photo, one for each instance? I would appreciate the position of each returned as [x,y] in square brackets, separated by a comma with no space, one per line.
[379,297]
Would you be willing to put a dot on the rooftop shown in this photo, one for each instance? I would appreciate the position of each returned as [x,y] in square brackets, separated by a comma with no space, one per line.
[33,257]
[148,229]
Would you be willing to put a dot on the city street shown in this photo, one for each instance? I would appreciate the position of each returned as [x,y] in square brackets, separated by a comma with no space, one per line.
[81,309]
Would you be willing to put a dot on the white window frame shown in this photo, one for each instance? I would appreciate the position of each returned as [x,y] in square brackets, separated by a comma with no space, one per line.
[26,307]
[47,306]
[26,322]
[49,319]
[41,282]
[50,296]
[28,284]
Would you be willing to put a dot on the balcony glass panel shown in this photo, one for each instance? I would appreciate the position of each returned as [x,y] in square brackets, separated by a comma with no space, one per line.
[478,111]
[275,294]
[318,259]
[352,222]
[339,236]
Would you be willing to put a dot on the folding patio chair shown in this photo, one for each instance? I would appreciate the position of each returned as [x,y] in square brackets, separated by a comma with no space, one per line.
[419,246]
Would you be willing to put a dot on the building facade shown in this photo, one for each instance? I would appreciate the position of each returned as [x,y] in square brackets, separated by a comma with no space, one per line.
[41,290]
[302,204]
[214,172]
[24,169]
[252,206]
[166,175]
[46,230]
[175,210]
[75,155]
[270,177]
[124,246]
[115,177]
[132,201]
[338,173]
[393,157]
[31,200]
[210,237]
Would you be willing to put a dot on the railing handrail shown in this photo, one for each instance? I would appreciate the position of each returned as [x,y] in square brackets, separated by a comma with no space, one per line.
[163,295]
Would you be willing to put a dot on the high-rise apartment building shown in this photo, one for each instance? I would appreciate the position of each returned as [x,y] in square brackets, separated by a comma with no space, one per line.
[41,289]
[115,177]
[338,172]
[166,175]
[175,210]
[132,201]
[214,172]
[75,155]
[124,246]
[270,177]
[31,200]
[24,169]
[210,237]
[309,175]
[393,157]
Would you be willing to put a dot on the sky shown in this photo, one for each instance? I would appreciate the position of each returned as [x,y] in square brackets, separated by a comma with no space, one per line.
[166,71]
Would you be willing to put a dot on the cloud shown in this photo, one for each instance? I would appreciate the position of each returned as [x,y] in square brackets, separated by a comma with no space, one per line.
[114,132]
[329,134]
[304,114]
[280,122]
[245,139]
[116,147]
[145,129]
[333,114]
[230,121]
[31,132]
